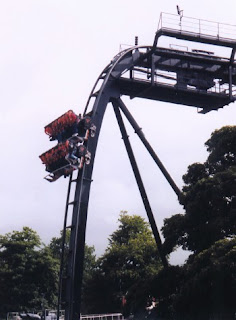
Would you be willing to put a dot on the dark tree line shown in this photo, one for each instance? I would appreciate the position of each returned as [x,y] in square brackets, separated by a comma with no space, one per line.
[129,261]
[205,286]
[129,273]
[28,272]
[209,198]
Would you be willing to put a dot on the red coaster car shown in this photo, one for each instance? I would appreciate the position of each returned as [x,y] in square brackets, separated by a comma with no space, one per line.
[70,124]
[65,157]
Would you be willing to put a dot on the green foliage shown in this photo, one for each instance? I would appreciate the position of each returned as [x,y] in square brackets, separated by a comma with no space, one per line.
[132,252]
[204,288]
[130,259]
[129,228]
[165,287]
[222,149]
[196,172]
[88,273]
[29,270]
[55,247]
[174,233]
[28,273]
[89,263]
[209,285]
[130,268]
[209,198]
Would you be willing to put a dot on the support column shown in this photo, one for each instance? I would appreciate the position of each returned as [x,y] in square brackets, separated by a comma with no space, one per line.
[139,132]
[140,183]
[63,249]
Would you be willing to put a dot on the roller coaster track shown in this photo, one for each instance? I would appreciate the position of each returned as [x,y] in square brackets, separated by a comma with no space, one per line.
[115,80]
[108,92]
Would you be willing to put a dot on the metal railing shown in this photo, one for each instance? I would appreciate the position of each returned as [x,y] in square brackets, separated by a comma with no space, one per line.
[108,316]
[170,79]
[193,25]
[52,315]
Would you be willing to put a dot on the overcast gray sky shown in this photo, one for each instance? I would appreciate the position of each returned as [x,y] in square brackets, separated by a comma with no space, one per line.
[52,51]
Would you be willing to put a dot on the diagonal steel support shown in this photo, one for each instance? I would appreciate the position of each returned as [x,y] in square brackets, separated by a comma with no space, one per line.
[139,132]
[139,182]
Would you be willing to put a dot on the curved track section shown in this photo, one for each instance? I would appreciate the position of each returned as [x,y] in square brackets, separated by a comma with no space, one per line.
[164,74]
[109,91]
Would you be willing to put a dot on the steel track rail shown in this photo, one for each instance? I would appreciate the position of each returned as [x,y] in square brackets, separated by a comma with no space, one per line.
[108,91]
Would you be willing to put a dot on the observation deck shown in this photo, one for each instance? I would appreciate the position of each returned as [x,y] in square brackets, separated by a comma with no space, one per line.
[178,74]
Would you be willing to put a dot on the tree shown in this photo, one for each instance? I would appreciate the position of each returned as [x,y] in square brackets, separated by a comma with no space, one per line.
[209,198]
[28,273]
[130,259]
[209,286]
[203,288]
[55,247]
[29,270]
[222,149]
[165,287]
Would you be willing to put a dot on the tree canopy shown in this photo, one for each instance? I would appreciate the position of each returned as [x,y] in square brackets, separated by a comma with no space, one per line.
[209,285]
[130,259]
[28,272]
[55,247]
[204,287]
[130,270]
[209,198]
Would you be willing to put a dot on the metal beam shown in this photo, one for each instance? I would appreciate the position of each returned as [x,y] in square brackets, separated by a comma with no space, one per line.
[139,182]
[73,300]
[63,249]
[139,132]
[189,56]
[80,211]
[196,37]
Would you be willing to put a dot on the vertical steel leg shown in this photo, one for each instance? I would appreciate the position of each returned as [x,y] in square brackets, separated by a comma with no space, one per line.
[63,249]
[139,182]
